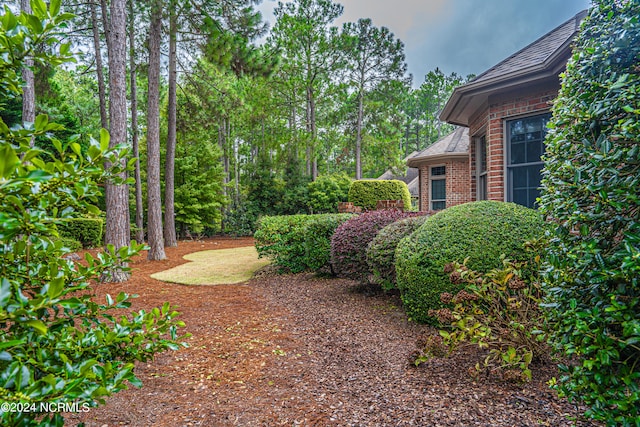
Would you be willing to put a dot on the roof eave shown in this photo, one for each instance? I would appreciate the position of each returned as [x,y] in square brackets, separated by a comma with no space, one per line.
[416,161]
[453,111]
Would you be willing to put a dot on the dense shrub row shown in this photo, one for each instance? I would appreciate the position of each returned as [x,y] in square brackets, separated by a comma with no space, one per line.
[88,231]
[350,241]
[381,252]
[480,232]
[366,193]
[590,189]
[297,243]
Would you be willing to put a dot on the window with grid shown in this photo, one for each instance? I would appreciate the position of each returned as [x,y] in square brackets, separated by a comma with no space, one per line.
[438,188]
[525,147]
[481,166]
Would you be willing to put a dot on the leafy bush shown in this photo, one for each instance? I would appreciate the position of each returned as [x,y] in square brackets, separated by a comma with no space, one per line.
[480,231]
[88,231]
[71,244]
[291,245]
[327,191]
[366,193]
[381,252]
[349,242]
[317,242]
[57,344]
[499,312]
[590,191]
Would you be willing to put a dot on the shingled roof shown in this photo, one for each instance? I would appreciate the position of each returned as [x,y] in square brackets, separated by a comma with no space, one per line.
[456,144]
[541,61]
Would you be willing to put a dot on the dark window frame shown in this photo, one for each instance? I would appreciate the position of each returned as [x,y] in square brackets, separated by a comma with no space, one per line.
[482,169]
[440,203]
[527,164]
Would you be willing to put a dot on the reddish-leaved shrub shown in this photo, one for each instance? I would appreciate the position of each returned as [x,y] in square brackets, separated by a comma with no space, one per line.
[351,239]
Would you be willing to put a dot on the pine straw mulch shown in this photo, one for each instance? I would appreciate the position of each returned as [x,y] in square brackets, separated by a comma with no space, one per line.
[302,350]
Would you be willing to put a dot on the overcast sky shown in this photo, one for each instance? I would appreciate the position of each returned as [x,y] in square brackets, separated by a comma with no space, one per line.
[462,36]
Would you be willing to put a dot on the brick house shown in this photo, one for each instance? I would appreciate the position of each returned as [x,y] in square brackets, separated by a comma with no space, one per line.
[504,112]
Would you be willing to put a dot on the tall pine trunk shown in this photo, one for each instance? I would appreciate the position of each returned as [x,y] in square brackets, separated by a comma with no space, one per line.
[139,235]
[359,134]
[117,229]
[154,204]
[29,90]
[169,183]
[102,97]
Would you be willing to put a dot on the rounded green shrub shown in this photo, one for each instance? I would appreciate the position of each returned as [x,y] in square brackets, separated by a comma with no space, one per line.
[297,243]
[381,252]
[591,191]
[366,193]
[480,231]
[327,191]
[88,231]
[349,242]
[317,239]
[71,244]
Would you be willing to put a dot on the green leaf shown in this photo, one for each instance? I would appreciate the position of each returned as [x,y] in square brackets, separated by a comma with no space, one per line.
[8,160]
[5,292]
[12,343]
[54,7]
[37,325]
[75,147]
[104,139]
[55,288]
[41,122]
[39,8]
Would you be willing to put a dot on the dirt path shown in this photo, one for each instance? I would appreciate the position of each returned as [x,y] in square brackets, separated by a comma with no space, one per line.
[303,350]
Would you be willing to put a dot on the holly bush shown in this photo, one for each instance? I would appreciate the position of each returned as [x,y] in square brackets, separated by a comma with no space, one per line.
[58,345]
[590,191]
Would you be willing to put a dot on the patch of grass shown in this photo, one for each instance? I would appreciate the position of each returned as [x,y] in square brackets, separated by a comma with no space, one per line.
[215,267]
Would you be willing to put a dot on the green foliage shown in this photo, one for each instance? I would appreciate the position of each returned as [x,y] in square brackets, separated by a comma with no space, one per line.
[199,194]
[381,252]
[317,242]
[265,191]
[366,193]
[480,231]
[295,192]
[590,191]
[327,191]
[88,231]
[499,312]
[350,241]
[57,344]
[297,243]
[71,244]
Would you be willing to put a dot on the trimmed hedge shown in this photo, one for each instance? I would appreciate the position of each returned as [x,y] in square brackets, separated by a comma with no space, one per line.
[326,191]
[317,243]
[71,244]
[381,252]
[366,193]
[480,231]
[297,243]
[88,231]
[349,242]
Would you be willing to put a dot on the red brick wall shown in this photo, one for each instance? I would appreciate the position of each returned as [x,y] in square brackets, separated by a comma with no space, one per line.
[458,184]
[490,121]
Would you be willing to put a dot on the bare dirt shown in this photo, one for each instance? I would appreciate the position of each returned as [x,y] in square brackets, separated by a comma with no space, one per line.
[302,350]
